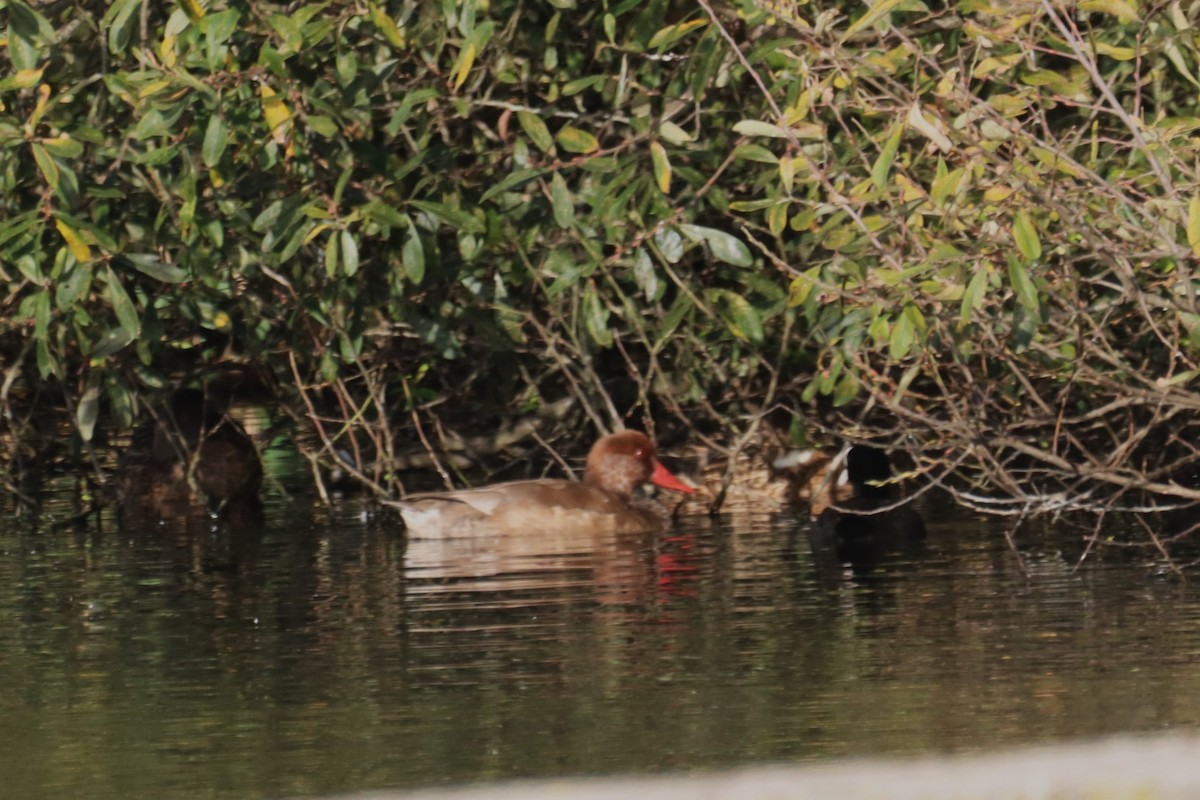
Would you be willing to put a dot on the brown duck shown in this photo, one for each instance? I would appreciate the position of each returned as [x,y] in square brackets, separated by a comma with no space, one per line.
[191,457]
[605,501]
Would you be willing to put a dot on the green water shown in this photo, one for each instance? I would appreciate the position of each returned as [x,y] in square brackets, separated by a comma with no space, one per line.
[325,655]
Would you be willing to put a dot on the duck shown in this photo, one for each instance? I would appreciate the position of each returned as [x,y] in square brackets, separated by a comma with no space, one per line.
[850,496]
[607,501]
[741,480]
[816,479]
[189,457]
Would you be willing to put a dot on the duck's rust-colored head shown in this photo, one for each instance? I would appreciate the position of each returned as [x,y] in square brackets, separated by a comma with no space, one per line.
[621,462]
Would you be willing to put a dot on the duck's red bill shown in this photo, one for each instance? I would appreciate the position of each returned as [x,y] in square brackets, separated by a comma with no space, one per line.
[663,477]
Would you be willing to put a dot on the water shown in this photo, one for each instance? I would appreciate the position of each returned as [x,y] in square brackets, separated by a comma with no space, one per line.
[326,655]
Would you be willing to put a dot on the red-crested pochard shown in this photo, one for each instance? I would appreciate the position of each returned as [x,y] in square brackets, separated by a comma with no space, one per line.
[605,502]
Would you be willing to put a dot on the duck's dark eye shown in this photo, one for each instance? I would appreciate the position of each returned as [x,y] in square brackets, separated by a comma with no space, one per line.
[639,453]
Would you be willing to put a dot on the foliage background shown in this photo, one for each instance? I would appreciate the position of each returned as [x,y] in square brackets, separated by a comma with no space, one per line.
[967,231]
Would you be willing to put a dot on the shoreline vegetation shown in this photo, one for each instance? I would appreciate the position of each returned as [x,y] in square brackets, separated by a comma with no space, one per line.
[446,237]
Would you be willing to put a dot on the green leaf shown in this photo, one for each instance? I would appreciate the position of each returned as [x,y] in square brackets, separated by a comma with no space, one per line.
[156,157]
[150,125]
[27,32]
[451,216]
[536,130]
[112,341]
[122,305]
[215,138]
[149,264]
[725,246]
[880,331]
[754,127]
[845,390]
[902,339]
[883,164]
[973,297]
[802,285]
[1022,285]
[1193,224]
[47,165]
[645,276]
[741,318]
[574,140]
[412,256]
[595,317]
[581,84]
[562,202]
[670,243]
[41,315]
[878,10]
[349,253]
[331,256]
[1026,235]
[72,286]
[323,126]
[672,133]
[518,178]
[120,401]
[63,146]
[755,152]
[88,409]
[945,186]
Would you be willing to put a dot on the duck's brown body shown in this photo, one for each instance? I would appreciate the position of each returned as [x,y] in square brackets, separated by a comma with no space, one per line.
[190,460]
[765,477]
[604,503]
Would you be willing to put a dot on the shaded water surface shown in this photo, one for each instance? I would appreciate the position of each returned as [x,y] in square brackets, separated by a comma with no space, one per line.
[327,654]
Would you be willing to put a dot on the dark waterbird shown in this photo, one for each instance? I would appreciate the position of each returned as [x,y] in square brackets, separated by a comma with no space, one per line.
[857,507]
[190,458]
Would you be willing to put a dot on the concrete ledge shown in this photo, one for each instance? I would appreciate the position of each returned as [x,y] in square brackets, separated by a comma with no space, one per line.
[1124,768]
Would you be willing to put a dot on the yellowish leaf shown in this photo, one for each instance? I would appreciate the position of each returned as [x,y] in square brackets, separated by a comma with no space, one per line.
[754,127]
[1193,224]
[808,130]
[193,8]
[40,108]
[916,120]
[1026,235]
[75,242]
[1116,53]
[277,114]
[1123,11]
[465,61]
[878,10]
[153,87]
[386,25]
[997,64]
[662,167]
[24,78]
[998,194]
[947,83]
[575,140]
[909,191]
[316,231]
[787,172]
[673,133]
[1178,18]
[166,50]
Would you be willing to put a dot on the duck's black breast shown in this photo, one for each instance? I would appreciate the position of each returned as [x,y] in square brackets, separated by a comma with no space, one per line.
[856,535]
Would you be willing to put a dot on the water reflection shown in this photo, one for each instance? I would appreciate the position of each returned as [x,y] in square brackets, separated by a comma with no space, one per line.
[325,653]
